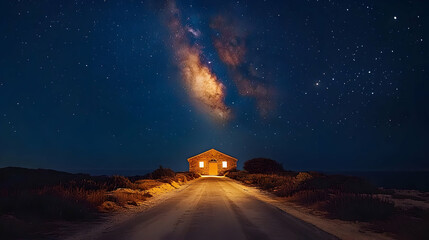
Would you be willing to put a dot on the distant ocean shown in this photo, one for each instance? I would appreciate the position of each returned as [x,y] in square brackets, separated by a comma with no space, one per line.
[416,180]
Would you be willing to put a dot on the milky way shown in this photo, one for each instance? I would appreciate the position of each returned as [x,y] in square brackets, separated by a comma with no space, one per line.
[231,47]
[206,90]
[315,85]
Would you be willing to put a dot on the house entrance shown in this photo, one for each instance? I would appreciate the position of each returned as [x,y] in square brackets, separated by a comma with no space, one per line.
[213,167]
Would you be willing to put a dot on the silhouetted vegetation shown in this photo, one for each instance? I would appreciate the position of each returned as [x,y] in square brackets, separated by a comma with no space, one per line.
[161,173]
[262,165]
[48,195]
[340,183]
[310,197]
[359,207]
[116,181]
[334,192]
[343,197]
[410,224]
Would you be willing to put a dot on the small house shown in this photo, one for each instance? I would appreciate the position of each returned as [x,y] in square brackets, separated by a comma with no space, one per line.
[211,162]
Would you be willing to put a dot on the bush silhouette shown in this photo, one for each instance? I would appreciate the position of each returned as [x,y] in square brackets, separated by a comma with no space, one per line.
[359,207]
[162,173]
[117,181]
[262,165]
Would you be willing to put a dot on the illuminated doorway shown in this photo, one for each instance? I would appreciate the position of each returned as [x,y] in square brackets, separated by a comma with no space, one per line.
[213,167]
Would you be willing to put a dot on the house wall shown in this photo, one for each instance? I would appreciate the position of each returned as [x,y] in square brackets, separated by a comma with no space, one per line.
[206,157]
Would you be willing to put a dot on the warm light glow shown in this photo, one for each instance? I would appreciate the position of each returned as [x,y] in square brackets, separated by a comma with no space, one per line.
[224,164]
[201,164]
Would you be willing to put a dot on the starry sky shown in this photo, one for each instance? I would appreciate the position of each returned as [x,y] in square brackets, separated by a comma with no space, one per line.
[131,85]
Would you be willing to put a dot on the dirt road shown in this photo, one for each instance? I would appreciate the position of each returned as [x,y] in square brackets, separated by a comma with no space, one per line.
[213,208]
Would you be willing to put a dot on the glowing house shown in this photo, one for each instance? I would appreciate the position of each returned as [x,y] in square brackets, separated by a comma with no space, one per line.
[211,162]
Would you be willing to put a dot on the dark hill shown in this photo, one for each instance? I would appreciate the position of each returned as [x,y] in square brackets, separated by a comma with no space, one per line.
[24,178]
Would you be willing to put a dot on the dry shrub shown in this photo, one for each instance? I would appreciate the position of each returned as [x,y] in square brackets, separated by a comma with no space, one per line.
[123,198]
[146,184]
[278,184]
[266,181]
[186,176]
[287,189]
[167,179]
[107,206]
[180,177]
[79,195]
[303,176]
[340,183]
[50,204]
[119,182]
[96,197]
[343,197]
[52,195]
[310,197]
[192,175]
[162,173]
[359,207]
[240,175]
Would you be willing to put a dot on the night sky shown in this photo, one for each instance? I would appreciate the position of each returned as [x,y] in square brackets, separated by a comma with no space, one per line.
[130,85]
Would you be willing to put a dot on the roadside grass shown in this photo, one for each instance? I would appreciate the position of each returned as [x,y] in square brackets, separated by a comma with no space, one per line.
[310,197]
[48,204]
[36,197]
[123,198]
[343,197]
[146,184]
[359,207]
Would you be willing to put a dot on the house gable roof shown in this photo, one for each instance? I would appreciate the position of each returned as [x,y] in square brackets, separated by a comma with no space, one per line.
[212,151]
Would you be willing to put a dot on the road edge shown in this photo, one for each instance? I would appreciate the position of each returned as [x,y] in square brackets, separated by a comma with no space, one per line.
[341,229]
[93,229]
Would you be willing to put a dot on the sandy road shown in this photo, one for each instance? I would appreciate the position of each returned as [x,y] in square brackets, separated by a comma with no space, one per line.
[213,208]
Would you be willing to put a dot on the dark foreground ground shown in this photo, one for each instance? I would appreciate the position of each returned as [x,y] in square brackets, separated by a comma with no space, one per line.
[214,208]
[47,204]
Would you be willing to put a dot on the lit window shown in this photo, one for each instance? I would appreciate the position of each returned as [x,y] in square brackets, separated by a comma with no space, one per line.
[201,164]
[224,164]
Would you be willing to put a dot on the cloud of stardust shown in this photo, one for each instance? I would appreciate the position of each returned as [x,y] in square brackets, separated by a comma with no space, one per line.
[203,86]
[230,45]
